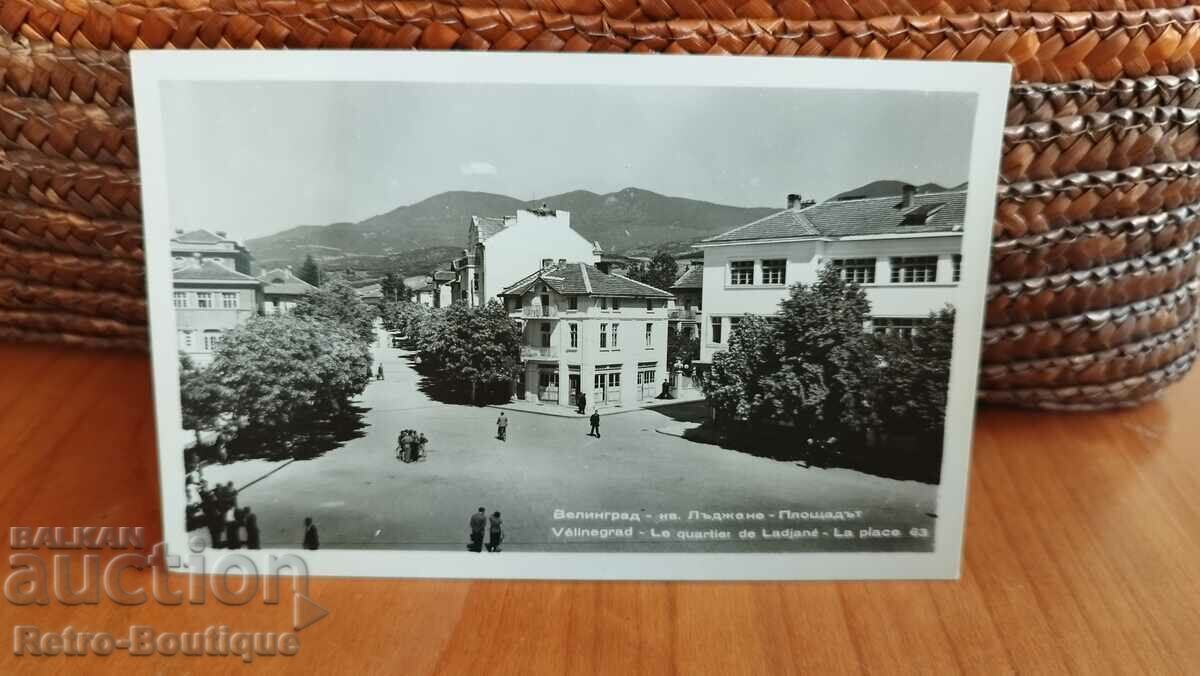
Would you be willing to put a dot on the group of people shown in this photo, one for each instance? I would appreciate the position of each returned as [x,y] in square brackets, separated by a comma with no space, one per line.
[229,526]
[494,528]
[410,446]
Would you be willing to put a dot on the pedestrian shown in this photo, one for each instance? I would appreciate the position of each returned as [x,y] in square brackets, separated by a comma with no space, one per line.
[250,521]
[478,523]
[311,541]
[502,427]
[496,533]
[212,518]
[379,374]
[595,420]
[581,399]
[405,446]
[233,539]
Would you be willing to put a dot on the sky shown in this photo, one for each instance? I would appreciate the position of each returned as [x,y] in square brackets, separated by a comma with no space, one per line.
[257,158]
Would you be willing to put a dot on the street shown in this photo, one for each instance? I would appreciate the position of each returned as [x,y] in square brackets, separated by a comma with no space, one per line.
[361,496]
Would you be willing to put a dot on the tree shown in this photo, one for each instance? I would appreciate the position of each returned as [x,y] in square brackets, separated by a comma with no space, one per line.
[661,272]
[741,385]
[200,397]
[282,374]
[404,318]
[309,271]
[914,378]
[338,304]
[476,348]
[682,348]
[388,286]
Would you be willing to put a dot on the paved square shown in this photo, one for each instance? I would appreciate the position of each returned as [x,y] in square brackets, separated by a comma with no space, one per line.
[362,497]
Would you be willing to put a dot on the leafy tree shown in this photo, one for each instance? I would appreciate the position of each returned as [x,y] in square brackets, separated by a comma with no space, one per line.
[914,378]
[661,272]
[741,384]
[388,285]
[405,317]
[309,271]
[280,374]
[471,347]
[338,304]
[200,397]
[683,349]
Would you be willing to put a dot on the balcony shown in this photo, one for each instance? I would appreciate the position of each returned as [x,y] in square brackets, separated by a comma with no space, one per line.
[686,314]
[539,311]
[538,352]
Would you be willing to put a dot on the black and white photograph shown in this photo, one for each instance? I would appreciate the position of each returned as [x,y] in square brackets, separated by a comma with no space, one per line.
[664,311]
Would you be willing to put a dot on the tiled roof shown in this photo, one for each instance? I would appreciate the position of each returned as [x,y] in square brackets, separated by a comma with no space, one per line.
[488,225]
[692,278]
[206,270]
[444,276]
[930,212]
[786,223]
[581,279]
[199,237]
[284,282]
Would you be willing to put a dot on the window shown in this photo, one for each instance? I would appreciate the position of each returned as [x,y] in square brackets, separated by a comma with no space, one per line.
[898,327]
[520,301]
[211,339]
[741,273]
[856,270]
[613,334]
[716,330]
[649,305]
[914,269]
[573,303]
[604,336]
[649,334]
[547,262]
[545,331]
[181,299]
[204,300]
[774,271]
[603,303]
[229,301]
[574,336]
[185,339]
[616,303]
[957,268]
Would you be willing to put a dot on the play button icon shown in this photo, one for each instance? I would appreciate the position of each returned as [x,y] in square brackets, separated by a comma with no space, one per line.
[305,612]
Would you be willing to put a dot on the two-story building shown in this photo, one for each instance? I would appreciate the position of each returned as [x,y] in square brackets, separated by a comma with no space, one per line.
[903,250]
[686,311]
[584,329]
[500,251]
[213,290]
[282,290]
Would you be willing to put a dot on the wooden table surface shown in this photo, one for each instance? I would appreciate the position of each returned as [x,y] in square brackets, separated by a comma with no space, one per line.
[1082,553]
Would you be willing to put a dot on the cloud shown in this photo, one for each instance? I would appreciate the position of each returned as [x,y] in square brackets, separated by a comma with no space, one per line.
[477,168]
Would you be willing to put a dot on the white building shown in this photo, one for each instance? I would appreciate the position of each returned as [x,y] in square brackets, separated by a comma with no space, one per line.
[213,290]
[500,251]
[282,290]
[584,329]
[903,250]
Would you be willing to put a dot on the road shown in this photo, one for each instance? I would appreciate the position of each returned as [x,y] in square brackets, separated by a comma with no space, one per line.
[360,496]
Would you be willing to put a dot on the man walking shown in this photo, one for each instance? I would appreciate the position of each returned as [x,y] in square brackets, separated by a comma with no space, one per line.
[311,541]
[581,399]
[478,523]
[495,532]
[379,373]
[502,427]
[595,420]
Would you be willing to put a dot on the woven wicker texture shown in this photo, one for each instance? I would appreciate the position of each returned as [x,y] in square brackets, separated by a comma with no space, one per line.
[1093,282]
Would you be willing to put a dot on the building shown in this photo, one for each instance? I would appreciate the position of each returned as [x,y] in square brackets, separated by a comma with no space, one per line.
[423,289]
[213,290]
[584,327]
[282,290]
[443,293]
[686,311]
[902,249]
[371,292]
[500,251]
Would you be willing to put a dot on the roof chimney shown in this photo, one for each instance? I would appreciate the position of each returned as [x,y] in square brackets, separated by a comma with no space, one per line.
[222,234]
[793,201]
[907,200]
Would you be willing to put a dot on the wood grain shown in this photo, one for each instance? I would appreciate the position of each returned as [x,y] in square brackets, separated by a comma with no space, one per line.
[1082,541]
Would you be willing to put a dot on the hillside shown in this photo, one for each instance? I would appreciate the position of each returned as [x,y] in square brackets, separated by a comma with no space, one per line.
[623,220]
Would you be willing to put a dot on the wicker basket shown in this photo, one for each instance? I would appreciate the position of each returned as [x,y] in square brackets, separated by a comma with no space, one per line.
[1098,217]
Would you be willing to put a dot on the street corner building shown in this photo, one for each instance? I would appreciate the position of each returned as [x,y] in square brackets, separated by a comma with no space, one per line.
[214,290]
[591,331]
[903,249]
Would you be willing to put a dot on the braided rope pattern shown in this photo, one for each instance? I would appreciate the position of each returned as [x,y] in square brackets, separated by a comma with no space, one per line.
[49,322]
[70,131]
[1030,102]
[1119,363]
[1041,46]
[46,71]
[14,334]
[23,295]
[84,188]
[1127,392]
[73,273]
[28,226]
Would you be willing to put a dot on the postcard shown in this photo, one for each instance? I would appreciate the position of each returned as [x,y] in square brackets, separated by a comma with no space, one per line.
[567,316]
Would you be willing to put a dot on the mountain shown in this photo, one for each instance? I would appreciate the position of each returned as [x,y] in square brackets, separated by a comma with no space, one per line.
[885,188]
[622,220]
